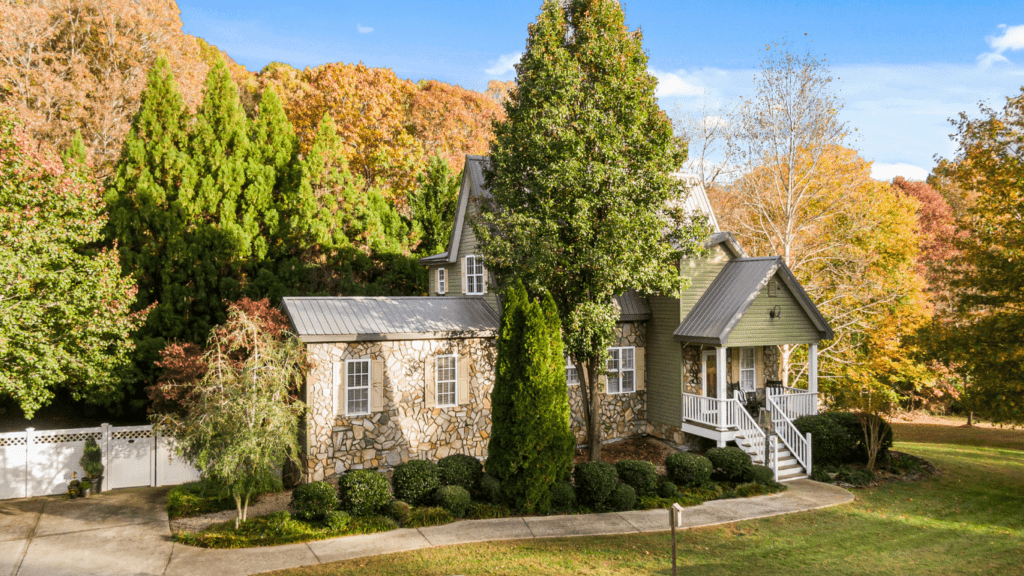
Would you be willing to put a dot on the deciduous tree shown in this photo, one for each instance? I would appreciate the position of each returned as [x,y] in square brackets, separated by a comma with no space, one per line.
[65,309]
[580,173]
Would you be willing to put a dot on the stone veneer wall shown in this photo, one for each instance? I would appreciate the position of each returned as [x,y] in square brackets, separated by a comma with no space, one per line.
[405,429]
[622,415]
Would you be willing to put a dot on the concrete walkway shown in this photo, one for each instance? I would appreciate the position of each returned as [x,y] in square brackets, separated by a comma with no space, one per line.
[126,532]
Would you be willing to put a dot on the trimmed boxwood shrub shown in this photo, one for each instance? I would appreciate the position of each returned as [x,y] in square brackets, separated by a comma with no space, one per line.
[314,501]
[363,493]
[729,464]
[830,441]
[762,475]
[563,496]
[460,470]
[688,469]
[668,490]
[489,489]
[416,480]
[622,498]
[639,474]
[454,499]
[594,482]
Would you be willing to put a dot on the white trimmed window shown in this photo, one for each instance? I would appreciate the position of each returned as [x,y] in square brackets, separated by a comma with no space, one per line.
[474,274]
[572,377]
[442,281]
[747,370]
[621,372]
[447,380]
[357,387]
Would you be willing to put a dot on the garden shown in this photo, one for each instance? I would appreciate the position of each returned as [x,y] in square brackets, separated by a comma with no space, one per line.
[421,493]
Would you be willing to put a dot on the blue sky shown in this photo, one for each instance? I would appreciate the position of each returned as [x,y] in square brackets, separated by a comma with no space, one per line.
[903,68]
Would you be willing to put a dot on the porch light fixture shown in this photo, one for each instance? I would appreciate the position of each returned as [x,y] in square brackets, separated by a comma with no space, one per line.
[775,312]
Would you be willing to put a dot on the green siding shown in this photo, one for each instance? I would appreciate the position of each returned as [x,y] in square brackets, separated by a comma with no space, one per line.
[702,273]
[468,245]
[756,328]
[664,363]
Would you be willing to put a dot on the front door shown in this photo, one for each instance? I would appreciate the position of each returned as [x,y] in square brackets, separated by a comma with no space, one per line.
[709,377]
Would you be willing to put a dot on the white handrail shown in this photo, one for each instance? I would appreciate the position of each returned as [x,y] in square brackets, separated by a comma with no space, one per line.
[704,410]
[798,444]
[795,405]
[748,428]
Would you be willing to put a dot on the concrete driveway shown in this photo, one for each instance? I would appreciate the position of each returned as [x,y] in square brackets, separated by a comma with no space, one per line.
[126,533]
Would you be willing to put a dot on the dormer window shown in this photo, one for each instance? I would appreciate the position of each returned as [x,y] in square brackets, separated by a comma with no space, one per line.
[442,280]
[474,266]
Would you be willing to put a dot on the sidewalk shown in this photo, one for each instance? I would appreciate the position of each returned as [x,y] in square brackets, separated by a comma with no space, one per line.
[126,533]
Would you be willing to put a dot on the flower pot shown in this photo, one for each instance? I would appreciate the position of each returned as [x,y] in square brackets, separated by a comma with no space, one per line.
[96,484]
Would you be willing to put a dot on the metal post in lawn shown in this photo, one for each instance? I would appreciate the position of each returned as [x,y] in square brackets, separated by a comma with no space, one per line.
[675,518]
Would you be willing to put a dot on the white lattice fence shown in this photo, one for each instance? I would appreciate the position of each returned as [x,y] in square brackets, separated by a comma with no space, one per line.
[39,463]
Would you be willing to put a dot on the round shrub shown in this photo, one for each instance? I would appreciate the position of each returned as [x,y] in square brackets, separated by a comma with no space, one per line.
[489,489]
[563,496]
[830,440]
[688,469]
[762,475]
[454,499]
[728,464]
[820,475]
[858,451]
[855,476]
[363,492]
[668,490]
[622,498]
[336,520]
[460,470]
[594,482]
[416,480]
[314,501]
[400,510]
[639,474]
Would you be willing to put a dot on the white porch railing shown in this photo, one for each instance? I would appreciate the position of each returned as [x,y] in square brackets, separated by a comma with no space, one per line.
[705,410]
[748,428]
[795,402]
[798,444]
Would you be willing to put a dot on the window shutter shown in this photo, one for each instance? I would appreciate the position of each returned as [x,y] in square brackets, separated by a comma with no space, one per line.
[602,382]
[639,376]
[376,386]
[430,389]
[485,280]
[464,275]
[463,380]
[337,401]
[758,366]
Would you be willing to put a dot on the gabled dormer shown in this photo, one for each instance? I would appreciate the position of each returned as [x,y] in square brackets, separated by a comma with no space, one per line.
[460,270]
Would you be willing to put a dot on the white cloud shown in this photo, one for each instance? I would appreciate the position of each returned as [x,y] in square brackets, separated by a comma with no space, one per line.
[886,172]
[504,64]
[1012,39]
[673,84]
[714,122]
[363,29]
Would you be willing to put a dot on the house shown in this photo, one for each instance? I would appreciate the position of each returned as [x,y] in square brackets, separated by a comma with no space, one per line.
[397,378]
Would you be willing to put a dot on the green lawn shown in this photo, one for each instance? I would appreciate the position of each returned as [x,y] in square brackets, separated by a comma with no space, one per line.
[967,520]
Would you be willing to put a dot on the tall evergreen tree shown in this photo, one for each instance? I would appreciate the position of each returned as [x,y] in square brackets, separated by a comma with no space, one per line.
[581,180]
[433,204]
[531,444]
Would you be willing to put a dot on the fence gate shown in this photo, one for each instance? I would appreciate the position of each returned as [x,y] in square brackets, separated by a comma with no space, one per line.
[130,457]
[13,465]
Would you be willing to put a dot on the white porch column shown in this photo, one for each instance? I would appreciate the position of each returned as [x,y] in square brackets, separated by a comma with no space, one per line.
[812,371]
[720,383]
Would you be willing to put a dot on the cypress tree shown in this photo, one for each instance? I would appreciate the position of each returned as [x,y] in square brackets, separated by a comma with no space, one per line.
[531,444]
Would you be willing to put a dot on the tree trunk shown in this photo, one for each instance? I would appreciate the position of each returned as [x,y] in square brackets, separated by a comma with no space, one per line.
[591,407]
[238,510]
[970,418]
[872,424]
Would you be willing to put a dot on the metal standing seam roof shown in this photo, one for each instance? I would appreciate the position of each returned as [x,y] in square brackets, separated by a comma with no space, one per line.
[632,307]
[732,292]
[351,319]
[697,201]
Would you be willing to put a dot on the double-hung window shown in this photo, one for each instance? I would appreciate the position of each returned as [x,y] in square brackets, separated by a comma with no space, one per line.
[447,380]
[747,370]
[357,387]
[572,377]
[621,372]
[442,281]
[474,274]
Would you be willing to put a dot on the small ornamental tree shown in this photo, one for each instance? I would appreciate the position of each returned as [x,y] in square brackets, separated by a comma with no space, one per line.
[531,446]
[241,418]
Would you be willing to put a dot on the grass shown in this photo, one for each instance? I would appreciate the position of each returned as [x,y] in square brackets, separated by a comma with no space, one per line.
[276,529]
[966,520]
[956,433]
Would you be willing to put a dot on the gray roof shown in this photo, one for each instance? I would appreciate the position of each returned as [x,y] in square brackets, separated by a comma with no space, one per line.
[632,307]
[435,259]
[732,292]
[697,201]
[356,319]
[727,239]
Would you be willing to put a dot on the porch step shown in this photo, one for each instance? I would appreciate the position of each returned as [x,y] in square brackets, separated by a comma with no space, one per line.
[789,468]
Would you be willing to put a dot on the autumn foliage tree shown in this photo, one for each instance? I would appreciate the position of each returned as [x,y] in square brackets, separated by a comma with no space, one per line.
[65,310]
